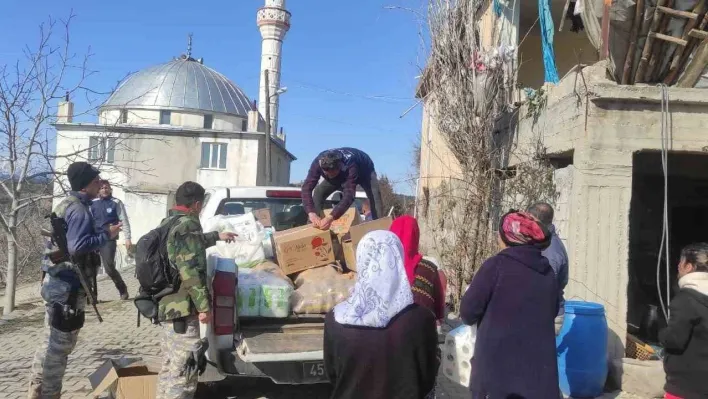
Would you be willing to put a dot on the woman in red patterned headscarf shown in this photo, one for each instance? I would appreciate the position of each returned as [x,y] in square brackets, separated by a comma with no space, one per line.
[513,298]
[422,274]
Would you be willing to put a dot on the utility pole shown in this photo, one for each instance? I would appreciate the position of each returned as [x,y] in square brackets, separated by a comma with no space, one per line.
[267,127]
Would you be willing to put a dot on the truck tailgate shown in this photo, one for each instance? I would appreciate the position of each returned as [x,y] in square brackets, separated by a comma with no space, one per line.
[282,346]
[288,353]
[293,339]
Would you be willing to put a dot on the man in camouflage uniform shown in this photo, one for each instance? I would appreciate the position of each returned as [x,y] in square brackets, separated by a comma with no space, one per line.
[181,312]
[61,289]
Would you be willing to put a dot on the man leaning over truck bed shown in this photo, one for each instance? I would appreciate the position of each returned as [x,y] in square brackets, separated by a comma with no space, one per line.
[342,169]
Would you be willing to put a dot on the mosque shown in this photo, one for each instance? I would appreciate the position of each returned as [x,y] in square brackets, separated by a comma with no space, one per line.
[180,121]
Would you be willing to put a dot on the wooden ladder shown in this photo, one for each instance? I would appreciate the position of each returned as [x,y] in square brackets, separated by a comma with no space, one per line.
[651,55]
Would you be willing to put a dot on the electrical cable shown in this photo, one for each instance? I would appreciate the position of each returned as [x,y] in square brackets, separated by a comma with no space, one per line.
[665,127]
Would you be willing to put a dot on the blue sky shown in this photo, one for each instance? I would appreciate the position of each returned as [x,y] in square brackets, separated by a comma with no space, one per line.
[337,56]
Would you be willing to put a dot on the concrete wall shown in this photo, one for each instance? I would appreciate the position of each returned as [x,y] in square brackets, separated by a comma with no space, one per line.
[604,124]
[241,161]
[149,166]
[145,210]
[438,165]
[570,49]
[221,122]
[437,162]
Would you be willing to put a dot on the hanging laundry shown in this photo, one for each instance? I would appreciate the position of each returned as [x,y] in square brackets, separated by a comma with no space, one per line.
[549,58]
[497,8]
[575,19]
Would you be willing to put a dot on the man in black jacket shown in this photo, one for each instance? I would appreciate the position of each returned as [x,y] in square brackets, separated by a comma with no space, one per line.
[685,340]
[342,169]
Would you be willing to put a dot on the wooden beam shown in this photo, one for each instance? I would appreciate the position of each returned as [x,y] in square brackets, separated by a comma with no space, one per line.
[668,38]
[563,17]
[677,13]
[605,35]
[648,45]
[677,64]
[698,34]
[660,48]
[632,48]
[695,68]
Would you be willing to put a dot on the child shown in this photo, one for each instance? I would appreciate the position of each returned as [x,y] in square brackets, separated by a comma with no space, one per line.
[685,340]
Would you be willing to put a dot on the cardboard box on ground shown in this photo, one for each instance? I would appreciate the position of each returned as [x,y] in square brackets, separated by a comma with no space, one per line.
[126,378]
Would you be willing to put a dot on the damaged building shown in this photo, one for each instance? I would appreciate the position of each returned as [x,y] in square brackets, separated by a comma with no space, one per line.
[622,121]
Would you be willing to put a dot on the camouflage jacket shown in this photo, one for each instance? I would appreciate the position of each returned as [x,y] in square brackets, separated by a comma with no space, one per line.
[186,250]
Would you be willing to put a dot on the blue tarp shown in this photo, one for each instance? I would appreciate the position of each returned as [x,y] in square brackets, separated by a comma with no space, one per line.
[547,28]
[497,8]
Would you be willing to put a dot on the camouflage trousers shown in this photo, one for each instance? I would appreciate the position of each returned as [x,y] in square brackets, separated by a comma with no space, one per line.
[49,364]
[176,349]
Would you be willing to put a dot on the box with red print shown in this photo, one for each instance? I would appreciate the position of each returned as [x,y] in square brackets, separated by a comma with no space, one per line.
[303,248]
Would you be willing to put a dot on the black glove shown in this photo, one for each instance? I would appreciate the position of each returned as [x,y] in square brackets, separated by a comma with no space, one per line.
[196,361]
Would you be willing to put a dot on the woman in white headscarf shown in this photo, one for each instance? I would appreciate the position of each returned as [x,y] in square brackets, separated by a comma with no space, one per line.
[378,343]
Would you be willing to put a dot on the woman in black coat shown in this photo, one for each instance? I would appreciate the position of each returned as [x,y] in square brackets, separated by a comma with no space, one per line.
[514,300]
[685,339]
[379,344]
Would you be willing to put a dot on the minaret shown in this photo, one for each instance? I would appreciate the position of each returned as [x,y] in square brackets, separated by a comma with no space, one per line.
[274,23]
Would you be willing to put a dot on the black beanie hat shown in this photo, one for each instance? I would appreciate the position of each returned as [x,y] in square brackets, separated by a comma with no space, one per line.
[80,175]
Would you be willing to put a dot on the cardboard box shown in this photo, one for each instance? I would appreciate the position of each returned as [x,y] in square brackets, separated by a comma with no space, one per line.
[350,241]
[358,232]
[343,225]
[126,378]
[263,216]
[349,255]
[303,248]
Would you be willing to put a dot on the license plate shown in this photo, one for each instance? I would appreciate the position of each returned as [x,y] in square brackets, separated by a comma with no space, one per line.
[313,371]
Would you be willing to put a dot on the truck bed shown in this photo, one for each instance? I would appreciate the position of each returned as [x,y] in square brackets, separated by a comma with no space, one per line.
[288,351]
[282,341]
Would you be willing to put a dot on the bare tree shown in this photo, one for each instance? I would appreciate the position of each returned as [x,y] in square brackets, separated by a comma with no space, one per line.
[470,92]
[30,91]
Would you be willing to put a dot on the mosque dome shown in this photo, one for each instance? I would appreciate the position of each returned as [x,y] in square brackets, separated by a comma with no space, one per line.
[181,84]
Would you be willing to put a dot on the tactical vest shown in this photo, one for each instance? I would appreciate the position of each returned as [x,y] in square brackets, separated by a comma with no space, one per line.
[47,265]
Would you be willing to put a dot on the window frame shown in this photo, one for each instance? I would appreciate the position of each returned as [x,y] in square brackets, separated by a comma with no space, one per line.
[165,114]
[210,118]
[102,149]
[244,125]
[123,116]
[216,157]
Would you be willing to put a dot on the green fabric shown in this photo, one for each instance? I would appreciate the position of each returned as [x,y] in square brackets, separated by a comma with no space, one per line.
[186,250]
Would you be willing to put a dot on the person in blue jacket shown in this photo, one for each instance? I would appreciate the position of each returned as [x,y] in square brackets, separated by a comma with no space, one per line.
[556,254]
[62,292]
[340,169]
[108,211]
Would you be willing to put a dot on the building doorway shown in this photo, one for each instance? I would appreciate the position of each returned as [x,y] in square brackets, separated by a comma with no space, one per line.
[687,221]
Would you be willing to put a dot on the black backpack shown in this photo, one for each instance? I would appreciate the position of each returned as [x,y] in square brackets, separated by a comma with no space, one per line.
[155,273]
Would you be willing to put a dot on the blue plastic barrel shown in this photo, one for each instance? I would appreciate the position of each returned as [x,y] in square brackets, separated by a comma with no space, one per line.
[582,350]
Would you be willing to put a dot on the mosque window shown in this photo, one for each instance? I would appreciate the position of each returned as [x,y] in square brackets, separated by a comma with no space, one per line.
[213,156]
[165,117]
[102,149]
[208,121]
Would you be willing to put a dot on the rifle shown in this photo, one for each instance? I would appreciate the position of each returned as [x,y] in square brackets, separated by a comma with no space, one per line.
[59,228]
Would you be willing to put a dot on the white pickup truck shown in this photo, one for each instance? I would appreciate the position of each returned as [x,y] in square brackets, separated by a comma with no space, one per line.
[288,351]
